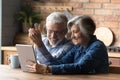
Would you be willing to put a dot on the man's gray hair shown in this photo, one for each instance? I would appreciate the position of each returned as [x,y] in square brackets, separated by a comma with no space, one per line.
[85,24]
[57,17]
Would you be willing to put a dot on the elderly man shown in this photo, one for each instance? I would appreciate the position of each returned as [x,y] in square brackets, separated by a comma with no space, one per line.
[55,45]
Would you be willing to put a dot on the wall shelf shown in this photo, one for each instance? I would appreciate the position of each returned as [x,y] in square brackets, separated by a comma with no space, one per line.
[54,8]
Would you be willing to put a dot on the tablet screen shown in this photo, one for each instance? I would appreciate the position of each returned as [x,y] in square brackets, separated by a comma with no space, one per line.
[26,53]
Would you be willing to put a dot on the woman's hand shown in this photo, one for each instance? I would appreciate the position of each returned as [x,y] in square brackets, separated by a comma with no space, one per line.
[35,36]
[38,68]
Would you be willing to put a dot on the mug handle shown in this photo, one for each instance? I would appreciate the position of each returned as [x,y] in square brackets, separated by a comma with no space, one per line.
[8,59]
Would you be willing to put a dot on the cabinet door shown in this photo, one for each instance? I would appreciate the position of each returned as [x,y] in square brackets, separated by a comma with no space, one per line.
[7,55]
[115,61]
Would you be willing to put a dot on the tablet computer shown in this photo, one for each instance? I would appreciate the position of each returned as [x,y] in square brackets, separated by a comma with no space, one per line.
[26,53]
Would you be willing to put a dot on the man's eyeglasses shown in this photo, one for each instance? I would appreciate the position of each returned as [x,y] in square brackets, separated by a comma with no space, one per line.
[55,32]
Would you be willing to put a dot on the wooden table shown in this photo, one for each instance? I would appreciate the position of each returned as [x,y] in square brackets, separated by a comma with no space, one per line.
[7,73]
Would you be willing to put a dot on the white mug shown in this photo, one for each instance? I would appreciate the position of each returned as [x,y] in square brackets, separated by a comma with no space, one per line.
[14,61]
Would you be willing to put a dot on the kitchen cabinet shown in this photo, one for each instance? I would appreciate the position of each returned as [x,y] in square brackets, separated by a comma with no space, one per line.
[7,51]
[114,58]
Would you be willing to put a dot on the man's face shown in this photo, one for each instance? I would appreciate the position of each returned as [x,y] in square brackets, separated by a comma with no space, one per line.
[55,32]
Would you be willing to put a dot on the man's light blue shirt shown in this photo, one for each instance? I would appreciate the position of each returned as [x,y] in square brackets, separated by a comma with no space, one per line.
[47,52]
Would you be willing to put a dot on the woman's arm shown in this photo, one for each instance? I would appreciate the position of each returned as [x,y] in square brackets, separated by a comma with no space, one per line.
[42,68]
[68,58]
[95,56]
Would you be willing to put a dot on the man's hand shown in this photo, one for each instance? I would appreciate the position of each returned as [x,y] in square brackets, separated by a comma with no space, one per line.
[35,36]
[38,68]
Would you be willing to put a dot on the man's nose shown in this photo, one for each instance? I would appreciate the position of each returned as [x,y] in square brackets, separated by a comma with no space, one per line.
[53,34]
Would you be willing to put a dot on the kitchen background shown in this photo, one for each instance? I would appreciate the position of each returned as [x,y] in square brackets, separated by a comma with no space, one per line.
[106,13]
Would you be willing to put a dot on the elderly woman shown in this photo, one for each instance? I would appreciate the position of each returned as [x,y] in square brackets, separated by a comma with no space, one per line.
[89,55]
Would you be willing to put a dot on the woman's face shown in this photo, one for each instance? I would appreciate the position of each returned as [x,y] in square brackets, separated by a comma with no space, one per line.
[76,35]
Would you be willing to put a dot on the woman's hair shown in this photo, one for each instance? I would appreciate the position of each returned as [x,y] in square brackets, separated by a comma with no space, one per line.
[57,17]
[85,24]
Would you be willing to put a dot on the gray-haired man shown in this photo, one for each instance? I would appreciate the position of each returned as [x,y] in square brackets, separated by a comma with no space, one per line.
[55,45]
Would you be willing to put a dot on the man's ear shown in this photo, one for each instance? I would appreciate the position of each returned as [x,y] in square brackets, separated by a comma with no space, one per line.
[44,30]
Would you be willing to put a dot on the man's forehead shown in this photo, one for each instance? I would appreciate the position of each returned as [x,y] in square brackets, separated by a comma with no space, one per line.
[55,26]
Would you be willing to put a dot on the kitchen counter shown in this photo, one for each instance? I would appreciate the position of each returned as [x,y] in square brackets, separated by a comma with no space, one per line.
[12,48]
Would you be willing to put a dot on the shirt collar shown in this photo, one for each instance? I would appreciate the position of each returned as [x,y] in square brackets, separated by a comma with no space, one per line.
[93,39]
